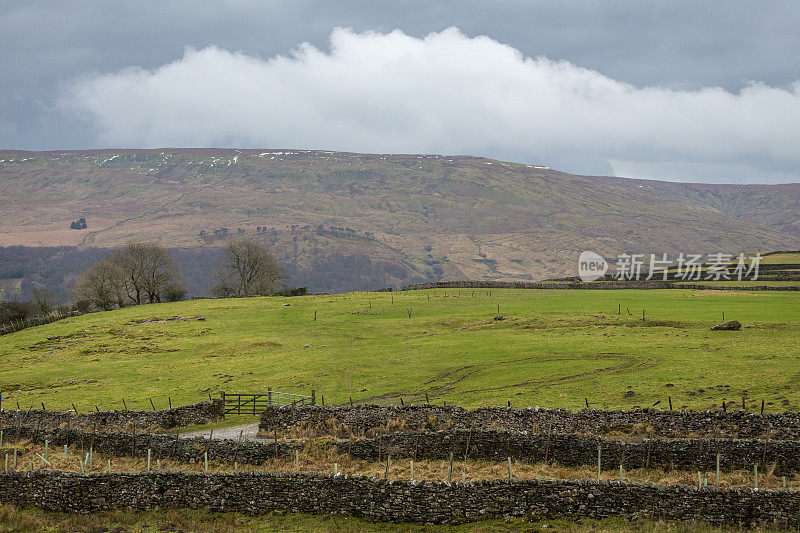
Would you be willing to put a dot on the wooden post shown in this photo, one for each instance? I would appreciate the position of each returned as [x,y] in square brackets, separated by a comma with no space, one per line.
[205,461]
[744,405]
[47,449]
[717,470]
[762,406]
[269,396]
[598,462]
[336,469]
[509,469]
[450,468]
[620,473]
[148,459]
[152,404]
[124,404]
[412,470]
[388,462]
[74,408]
[322,397]
[755,475]
[587,402]
[351,402]
[670,402]
[169,399]
[315,314]
[313,397]
[426,398]
[724,407]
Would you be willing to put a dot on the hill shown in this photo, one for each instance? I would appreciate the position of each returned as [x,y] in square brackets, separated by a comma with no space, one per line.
[553,348]
[413,217]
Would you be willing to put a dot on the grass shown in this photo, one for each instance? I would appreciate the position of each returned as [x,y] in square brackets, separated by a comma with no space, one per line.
[316,459]
[554,348]
[191,520]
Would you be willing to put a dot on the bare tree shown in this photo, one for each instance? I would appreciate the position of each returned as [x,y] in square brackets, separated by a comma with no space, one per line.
[138,272]
[147,272]
[247,269]
[43,301]
[101,285]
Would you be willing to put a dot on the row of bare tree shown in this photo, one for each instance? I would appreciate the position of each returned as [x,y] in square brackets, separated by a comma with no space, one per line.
[144,272]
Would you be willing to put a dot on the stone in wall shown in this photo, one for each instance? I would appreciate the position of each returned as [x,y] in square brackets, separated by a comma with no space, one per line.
[369,419]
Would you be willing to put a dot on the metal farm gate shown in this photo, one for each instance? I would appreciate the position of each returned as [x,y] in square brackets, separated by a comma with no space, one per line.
[245,403]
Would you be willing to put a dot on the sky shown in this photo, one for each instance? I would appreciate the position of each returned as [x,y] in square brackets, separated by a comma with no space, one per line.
[675,90]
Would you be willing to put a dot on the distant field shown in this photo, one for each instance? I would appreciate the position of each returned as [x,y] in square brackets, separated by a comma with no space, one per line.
[553,348]
[745,283]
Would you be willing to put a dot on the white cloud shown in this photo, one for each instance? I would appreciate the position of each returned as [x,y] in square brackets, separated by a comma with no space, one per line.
[445,93]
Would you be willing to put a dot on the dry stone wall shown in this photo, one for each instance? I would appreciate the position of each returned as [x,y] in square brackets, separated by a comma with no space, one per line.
[371,418]
[606,285]
[579,450]
[397,501]
[161,446]
[198,413]
[566,450]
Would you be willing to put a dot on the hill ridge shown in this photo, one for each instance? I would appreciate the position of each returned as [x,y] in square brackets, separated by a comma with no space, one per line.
[421,216]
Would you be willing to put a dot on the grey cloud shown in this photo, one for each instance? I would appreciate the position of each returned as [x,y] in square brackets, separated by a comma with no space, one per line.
[680,45]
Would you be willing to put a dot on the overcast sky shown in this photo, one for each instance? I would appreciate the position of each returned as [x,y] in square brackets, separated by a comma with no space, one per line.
[689,91]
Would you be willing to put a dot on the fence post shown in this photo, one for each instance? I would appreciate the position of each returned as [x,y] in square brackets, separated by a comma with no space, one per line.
[269,396]
[598,462]
[222,395]
[313,397]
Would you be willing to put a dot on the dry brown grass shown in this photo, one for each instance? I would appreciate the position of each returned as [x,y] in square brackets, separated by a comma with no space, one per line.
[315,458]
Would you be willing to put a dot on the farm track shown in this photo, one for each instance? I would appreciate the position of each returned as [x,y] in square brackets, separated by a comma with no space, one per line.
[461,373]
[247,431]
[92,234]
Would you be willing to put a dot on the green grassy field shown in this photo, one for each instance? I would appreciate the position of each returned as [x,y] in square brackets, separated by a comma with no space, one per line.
[553,349]
[35,520]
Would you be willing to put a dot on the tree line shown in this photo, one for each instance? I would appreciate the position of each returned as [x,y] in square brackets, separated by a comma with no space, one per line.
[145,272]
